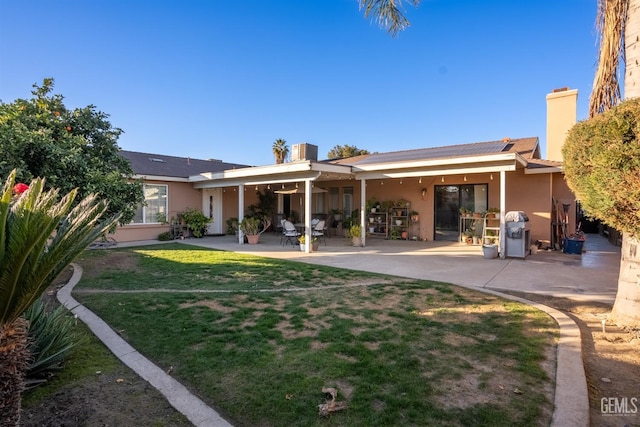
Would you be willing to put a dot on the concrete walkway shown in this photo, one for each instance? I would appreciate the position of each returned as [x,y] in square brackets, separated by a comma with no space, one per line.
[591,276]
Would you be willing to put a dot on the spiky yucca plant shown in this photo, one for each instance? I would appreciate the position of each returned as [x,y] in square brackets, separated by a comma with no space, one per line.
[40,234]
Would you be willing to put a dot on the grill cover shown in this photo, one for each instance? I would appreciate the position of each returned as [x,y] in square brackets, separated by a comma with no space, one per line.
[516,216]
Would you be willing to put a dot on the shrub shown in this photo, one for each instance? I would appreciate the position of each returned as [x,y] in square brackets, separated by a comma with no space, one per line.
[51,337]
[166,236]
[195,220]
[602,166]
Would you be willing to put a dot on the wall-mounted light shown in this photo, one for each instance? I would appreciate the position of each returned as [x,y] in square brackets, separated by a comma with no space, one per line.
[442,179]
[296,185]
[283,186]
[400,181]
[256,188]
[381,182]
[269,187]
[465,178]
[491,177]
[420,180]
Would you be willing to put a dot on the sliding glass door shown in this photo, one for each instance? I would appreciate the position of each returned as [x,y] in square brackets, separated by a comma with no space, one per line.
[448,201]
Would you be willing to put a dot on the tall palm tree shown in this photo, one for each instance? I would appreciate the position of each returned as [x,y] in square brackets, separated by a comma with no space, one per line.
[280,150]
[619,28]
[40,235]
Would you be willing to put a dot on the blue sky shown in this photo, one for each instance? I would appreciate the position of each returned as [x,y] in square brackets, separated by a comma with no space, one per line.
[224,79]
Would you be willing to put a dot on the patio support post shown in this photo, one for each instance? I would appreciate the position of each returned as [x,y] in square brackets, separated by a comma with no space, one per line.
[363,197]
[240,212]
[503,206]
[307,215]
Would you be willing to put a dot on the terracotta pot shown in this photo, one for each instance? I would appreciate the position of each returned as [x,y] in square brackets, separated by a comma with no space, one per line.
[404,235]
[252,239]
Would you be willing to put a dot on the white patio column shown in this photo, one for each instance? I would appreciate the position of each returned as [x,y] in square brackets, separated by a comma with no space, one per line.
[240,212]
[503,206]
[363,197]
[307,216]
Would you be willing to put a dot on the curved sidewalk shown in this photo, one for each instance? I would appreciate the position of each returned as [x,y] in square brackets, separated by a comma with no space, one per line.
[177,395]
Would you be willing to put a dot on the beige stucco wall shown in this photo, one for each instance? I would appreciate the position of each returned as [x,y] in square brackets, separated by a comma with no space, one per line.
[181,195]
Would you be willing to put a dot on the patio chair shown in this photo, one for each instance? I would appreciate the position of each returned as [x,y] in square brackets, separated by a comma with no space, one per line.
[277,224]
[289,232]
[318,232]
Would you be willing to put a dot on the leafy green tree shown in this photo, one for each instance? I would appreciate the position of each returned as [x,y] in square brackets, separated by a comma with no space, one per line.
[342,151]
[41,137]
[40,234]
[280,150]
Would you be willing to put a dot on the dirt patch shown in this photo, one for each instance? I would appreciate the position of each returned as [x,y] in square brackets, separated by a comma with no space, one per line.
[118,399]
[611,360]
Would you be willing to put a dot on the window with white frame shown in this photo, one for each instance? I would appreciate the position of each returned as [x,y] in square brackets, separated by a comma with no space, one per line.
[154,209]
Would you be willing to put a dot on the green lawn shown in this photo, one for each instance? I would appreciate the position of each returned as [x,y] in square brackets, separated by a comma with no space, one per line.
[258,338]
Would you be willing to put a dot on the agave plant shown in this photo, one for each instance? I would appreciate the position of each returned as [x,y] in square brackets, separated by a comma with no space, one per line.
[40,234]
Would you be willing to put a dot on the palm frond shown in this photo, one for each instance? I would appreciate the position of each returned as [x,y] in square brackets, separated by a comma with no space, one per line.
[611,22]
[388,14]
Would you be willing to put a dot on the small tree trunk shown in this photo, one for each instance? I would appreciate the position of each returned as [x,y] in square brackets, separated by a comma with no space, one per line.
[14,355]
[626,309]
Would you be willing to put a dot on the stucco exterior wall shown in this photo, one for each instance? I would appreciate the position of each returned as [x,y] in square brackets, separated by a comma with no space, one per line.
[180,195]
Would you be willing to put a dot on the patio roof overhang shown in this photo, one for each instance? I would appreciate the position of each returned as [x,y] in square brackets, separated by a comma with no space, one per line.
[283,173]
[449,166]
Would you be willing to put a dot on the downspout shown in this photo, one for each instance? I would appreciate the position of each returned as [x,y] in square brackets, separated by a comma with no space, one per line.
[240,212]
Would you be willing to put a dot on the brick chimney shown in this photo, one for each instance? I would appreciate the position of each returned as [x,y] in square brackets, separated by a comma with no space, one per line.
[562,107]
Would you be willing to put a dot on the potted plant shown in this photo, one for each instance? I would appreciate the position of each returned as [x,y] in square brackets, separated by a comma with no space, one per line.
[355,232]
[315,244]
[253,227]
[495,212]
[415,216]
[195,220]
[464,212]
[371,205]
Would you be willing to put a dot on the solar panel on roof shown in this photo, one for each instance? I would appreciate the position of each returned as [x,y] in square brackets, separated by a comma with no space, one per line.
[435,153]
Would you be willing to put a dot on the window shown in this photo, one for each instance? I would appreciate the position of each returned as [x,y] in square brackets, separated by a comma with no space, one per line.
[154,208]
[318,202]
[334,198]
[347,200]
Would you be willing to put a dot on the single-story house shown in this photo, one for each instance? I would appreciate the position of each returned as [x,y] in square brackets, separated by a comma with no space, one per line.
[505,174]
